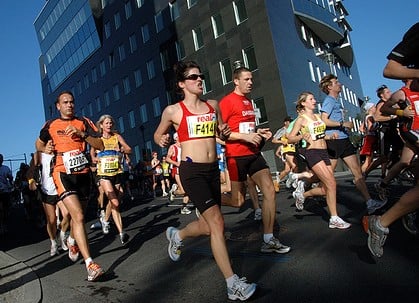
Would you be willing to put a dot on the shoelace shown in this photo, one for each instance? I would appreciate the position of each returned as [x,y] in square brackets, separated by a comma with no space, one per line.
[240,284]
[94,266]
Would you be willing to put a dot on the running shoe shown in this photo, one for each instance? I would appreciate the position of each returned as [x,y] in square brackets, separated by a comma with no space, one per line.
[338,223]
[63,239]
[197,213]
[165,194]
[258,214]
[96,225]
[373,205]
[174,246]
[124,237]
[294,179]
[105,226]
[377,236]
[54,249]
[409,222]
[274,246]
[73,251]
[298,195]
[172,192]
[383,193]
[94,271]
[288,182]
[185,211]
[240,289]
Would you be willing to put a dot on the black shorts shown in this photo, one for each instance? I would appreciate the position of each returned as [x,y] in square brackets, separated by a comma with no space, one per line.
[201,182]
[74,184]
[314,156]
[240,167]
[340,148]
[48,199]
[117,179]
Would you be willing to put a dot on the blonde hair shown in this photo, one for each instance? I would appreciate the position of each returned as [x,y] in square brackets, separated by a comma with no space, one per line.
[302,98]
[100,122]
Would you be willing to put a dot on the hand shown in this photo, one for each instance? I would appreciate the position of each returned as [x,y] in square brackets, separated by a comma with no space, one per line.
[348,124]
[49,147]
[224,131]
[164,140]
[408,112]
[265,133]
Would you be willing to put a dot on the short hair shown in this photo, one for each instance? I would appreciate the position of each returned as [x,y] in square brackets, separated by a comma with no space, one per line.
[102,118]
[180,69]
[325,82]
[238,71]
[380,90]
[287,119]
[68,92]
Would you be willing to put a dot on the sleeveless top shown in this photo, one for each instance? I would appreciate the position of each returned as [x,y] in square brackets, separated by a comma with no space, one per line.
[197,126]
[413,101]
[110,159]
[373,130]
[316,128]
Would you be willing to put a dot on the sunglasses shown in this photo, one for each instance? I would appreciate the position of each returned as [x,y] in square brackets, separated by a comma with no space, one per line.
[195,77]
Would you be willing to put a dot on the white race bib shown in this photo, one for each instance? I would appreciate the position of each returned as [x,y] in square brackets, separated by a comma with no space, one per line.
[247,127]
[74,161]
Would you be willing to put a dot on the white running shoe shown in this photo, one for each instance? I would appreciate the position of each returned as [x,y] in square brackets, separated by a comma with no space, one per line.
[241,289]
[338,223]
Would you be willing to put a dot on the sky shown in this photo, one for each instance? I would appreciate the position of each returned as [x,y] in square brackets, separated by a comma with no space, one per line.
[377,27]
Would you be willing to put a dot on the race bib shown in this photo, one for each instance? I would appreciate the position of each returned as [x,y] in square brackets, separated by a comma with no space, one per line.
[202,126]
[74,161]
[247,127]
[319,129]
[109,163]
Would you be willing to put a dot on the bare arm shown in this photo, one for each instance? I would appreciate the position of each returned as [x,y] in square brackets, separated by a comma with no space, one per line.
[330,123]
[394,70]
[126,149]
[293,136]
[161,135]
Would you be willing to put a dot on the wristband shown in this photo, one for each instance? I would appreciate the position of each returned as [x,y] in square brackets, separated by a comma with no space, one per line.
[399,112]
[30,181]
[341,124]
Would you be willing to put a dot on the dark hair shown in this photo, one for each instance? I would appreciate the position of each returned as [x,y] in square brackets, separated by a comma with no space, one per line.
[325,82]
[62,93]
[380,90]
[287,118]
[181,69]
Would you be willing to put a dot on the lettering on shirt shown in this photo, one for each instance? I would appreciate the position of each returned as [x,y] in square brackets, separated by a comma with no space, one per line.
[201,126]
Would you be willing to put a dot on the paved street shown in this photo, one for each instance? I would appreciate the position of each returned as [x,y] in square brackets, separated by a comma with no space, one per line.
[324,265]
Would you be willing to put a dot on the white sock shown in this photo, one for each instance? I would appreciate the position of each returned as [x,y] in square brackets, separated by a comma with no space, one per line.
[177,238]
[334,217]
[53,242]
[230,281]
[267,237]
[88,261]
[71,241]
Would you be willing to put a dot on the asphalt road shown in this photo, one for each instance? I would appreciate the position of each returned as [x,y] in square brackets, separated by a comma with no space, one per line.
[324,265]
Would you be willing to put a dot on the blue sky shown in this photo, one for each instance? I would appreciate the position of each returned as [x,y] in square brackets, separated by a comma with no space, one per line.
[377,26]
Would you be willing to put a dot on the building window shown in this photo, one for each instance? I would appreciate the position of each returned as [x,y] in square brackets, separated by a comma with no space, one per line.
[139,3]
[303,32]
[90,108]
[121,126]
[217,25]
[107,98]
[121,51]
[192,3]
[249,58]
[207,83]
[319,75]
[138,78]
[111,59]
[128,10]
[226,72]
[115,90]
[131,118]
[180,50]
[127,88]
[156,106]
[79,88]
[240,12]
[260,111]
[107,30]
[143,113]
[102,67]
[311,69]
[151,72]
[174,10]
[86,81]
[158,20]
[98,104]
[133,43]
[198,39]
[117,20]
[145,33]
[164,58]
[94,75]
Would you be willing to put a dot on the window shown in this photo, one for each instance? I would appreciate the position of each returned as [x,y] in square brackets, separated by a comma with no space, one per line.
[128,10]
[249,58]
[319,75]
[86,81]
[260,111]
[138,78]
[207,83]
[117,20]
[79,88]
[133,43]
[156,106]
[240,12]
[111,59]
[217,25]
[125,83]
[174,10]
[139,3]
[102,67]
[115,90]
[94,75]
[143,113]
[192,3]
[145,33]
[311,68]
[107,30]
[151,72]
[226,72]
[90,108]
[121,126]
[107,98]
[198,39]
[180,50]
[164,58]
[158,19]
[121,51]
[131,118]
[98,104]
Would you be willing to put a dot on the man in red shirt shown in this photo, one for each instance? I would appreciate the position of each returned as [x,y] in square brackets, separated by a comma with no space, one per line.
[244,157]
